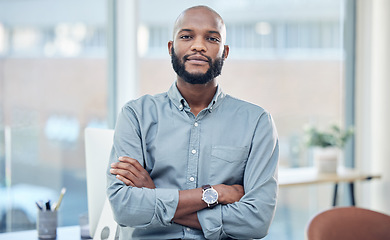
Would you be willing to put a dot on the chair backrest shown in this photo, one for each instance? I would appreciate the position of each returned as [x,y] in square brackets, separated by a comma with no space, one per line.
[98,144]
[349,223]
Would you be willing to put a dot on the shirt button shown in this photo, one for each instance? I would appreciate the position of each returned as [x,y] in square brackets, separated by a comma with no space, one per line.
[192,179]
[188,229]
[196,124]
[193,151]
[181,107]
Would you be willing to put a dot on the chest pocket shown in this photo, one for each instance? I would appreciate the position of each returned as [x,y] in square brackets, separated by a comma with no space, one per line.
[228,164]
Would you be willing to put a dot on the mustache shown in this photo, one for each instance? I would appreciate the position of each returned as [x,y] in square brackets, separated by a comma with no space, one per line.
[185,57]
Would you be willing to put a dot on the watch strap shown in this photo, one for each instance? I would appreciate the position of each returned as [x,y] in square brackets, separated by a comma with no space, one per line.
[213,204]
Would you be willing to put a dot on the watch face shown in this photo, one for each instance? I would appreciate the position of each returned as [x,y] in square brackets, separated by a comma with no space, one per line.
[210,196]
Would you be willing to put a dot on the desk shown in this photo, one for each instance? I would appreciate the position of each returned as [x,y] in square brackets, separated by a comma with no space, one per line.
[63,233]
[309,175]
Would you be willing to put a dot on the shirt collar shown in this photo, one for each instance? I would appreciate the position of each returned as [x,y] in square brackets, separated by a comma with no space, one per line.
[178,100]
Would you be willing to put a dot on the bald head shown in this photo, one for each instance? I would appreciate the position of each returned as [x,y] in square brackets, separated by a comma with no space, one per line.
[200,14]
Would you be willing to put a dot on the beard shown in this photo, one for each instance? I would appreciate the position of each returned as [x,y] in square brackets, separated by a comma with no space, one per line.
[215,68]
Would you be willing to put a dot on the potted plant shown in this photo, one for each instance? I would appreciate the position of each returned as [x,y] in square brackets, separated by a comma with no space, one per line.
[327,146]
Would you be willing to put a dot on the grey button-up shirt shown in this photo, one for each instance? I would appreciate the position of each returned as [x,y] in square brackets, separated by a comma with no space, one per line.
[229,142]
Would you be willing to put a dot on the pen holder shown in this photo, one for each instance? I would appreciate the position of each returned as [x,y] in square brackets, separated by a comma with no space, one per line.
[47,224]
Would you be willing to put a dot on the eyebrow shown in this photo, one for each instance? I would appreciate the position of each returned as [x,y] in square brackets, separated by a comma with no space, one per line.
[190,30]
[185,30]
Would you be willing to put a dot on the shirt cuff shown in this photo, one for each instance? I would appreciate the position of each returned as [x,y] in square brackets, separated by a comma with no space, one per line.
[166,204]
[211,221]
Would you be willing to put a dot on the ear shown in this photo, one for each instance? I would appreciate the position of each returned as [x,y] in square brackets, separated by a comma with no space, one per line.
[226,52]
[170,45]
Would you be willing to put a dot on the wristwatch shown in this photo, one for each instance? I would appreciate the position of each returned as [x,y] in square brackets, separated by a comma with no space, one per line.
[210,196]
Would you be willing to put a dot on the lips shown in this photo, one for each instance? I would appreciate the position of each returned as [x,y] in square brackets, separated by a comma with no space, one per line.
[197,58]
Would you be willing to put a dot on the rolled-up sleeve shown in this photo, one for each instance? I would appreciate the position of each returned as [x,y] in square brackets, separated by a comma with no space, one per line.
[132,206]
[252,215]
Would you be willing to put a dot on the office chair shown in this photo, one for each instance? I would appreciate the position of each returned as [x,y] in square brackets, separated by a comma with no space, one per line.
[349,223]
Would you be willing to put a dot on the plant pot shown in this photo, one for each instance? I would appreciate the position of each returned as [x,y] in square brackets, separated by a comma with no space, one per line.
[326,160]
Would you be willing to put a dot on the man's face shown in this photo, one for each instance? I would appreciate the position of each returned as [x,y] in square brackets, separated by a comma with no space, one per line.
[198,50]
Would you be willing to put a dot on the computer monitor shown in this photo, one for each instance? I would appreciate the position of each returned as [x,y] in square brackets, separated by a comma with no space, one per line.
[98,144]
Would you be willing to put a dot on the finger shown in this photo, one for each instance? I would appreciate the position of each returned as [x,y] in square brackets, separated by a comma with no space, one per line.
[125,181]
[127,159]
[124,173]
[128,167]
[133,162]
[128,178]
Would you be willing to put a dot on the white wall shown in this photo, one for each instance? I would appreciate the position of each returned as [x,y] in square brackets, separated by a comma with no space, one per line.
[372,100]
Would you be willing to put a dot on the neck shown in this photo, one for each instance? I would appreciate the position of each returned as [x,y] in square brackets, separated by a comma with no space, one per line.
[198,96]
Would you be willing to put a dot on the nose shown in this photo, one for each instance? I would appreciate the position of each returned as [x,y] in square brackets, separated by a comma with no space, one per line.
[198,45]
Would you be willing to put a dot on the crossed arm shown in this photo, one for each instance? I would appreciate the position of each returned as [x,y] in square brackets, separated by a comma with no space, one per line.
[130,172]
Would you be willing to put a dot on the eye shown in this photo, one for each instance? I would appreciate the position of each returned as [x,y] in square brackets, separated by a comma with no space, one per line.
[213,39]
[185,37]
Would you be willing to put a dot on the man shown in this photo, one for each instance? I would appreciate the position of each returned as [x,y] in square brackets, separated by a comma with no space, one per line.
[194,163]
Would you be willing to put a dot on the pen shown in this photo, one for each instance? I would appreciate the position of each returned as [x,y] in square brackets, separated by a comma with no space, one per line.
[39,205]
[60,199]
[48,208]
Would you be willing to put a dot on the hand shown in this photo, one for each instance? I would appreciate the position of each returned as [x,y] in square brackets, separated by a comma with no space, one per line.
[229,194]
[130,172]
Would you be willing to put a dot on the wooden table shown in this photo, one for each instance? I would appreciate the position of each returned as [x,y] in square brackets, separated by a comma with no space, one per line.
[308,175]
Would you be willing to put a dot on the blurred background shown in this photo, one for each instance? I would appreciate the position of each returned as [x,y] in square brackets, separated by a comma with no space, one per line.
[68,65]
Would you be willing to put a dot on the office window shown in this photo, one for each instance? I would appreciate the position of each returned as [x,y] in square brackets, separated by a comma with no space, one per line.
[52,85]
[286,56]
